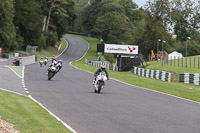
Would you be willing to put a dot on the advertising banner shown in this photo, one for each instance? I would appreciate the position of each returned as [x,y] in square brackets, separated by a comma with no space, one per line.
[121,49]
[0,51]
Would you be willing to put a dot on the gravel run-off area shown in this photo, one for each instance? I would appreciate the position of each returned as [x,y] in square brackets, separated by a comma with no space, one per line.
[6,127]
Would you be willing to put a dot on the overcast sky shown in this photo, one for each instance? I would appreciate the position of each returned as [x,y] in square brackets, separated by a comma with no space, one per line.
[140,2]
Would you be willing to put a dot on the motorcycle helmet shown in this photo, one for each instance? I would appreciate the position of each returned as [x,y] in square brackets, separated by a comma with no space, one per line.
[60,61]
[103,67]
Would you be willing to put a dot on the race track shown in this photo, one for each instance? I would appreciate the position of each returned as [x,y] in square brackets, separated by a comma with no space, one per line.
[120,108]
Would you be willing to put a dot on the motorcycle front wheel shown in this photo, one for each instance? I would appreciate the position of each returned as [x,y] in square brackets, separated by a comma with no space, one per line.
[99,86]
[50,75]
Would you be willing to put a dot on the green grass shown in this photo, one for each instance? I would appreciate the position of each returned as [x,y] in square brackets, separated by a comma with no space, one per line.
[28,116]
[17,69]
[188,91]
[92,54]
[51,51]
[176,69]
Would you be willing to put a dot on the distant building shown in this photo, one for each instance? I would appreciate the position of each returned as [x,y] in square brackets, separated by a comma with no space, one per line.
[174,36]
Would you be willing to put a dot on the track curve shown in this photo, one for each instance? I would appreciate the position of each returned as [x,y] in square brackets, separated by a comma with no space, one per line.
[119,109]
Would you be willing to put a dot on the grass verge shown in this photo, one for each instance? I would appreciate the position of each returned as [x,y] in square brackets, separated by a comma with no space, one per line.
[49,52]
[17,69]
[28,116]
[188,91]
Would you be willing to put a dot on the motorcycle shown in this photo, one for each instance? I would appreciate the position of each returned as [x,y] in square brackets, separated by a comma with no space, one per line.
[51,72]
[41,62]
[45,61]
[100,82]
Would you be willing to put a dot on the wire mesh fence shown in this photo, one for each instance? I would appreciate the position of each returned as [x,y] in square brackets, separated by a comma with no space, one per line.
[30,50]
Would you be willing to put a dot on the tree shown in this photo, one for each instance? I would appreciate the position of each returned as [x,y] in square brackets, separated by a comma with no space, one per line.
[180,15]
[153,26]
[99,8]
[7,30]
[113,28]
[63,22]
[28,20]
[60,9]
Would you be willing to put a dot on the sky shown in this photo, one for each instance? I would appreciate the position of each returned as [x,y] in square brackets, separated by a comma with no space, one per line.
[140,2]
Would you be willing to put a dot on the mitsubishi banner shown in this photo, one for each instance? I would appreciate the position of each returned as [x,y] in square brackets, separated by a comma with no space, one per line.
[121,49]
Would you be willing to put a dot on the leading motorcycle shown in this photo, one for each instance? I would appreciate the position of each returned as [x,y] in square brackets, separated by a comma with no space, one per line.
[51,72]
[99,83]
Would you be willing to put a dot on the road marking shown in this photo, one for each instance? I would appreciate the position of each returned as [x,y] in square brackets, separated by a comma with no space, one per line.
[29,96]
[13,71]
[12,92]
[67,126]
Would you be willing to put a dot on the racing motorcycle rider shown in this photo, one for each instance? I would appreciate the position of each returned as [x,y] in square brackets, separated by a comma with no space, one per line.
[53,59]
[103,68]
[41,61]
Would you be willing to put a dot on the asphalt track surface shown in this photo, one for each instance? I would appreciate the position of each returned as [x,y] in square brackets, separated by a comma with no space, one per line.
[120,108]
[9,80]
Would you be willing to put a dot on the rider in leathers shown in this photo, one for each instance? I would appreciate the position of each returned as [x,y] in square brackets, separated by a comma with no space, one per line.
[103,68]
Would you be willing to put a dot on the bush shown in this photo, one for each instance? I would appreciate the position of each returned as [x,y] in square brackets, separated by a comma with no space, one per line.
[110,58]
[51,38]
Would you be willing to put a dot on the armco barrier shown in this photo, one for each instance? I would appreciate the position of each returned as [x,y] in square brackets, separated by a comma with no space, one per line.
[157,74]
[190,78]
[98,63]
[25,60]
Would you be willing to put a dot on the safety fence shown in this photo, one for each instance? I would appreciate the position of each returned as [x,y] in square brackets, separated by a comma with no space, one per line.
[190,78]
[98,63]
[189,62]
[157,74]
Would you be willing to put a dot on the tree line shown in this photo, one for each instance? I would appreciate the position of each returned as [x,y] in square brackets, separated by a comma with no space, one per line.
[43,22]
[123,22]
[34,22]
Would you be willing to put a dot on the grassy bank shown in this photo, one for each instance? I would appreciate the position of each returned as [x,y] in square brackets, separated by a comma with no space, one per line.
[49,52]
[17,69]
[28,116]
[179,89]
[175,68]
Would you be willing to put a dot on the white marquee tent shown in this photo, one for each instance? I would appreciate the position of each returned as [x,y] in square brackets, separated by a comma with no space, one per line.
[174,55]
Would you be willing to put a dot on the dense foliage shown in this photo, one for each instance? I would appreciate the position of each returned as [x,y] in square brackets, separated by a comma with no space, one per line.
[122,22]
[43,22]
[34,22]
